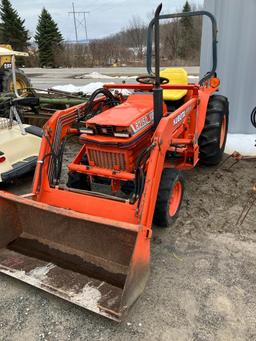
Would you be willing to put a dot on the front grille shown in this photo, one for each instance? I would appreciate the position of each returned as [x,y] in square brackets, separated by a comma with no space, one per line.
[108,160]
[105,130]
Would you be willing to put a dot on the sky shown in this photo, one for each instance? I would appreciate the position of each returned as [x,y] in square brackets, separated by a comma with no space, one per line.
[106,16]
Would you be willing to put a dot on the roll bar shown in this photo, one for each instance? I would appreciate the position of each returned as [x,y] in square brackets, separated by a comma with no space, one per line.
[155,23]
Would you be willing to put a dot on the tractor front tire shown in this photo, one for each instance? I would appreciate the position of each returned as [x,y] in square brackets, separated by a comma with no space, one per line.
[79,180]
[212,141]
[169,199]
[21,80]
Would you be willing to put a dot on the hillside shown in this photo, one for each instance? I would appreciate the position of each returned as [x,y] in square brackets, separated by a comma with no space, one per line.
[180,45]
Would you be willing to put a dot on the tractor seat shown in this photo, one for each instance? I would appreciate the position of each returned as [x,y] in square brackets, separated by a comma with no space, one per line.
[176,75]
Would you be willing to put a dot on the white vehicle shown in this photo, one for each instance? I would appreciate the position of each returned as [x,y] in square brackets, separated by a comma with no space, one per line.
[19,149]
[19,143]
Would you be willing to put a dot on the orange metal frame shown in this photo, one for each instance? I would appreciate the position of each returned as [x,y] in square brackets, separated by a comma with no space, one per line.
[178,131]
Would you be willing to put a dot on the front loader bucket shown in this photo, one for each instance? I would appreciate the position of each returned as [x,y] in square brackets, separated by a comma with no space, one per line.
[96,263]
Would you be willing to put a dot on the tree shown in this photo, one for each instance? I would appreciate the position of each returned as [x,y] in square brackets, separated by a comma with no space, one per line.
[13,30]
[186,41]
[186,22]
[170,39]
[49,40]
[137,36]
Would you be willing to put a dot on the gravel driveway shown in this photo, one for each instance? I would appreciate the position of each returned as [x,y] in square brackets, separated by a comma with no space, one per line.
[202,284]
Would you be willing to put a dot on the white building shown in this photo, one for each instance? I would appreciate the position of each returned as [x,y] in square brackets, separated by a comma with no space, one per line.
[236,21]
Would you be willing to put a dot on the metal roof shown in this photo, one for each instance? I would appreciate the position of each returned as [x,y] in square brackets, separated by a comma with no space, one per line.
[7,52]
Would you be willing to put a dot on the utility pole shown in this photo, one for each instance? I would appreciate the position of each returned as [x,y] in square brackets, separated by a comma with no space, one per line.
[74,16]
[78,22]
[85,26]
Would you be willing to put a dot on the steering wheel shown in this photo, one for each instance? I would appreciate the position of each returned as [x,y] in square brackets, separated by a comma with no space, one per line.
[151,80]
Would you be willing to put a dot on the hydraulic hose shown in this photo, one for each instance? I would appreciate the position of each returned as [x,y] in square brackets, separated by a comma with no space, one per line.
[90,104]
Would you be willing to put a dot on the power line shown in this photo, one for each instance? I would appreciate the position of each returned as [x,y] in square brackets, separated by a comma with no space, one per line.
[78,22]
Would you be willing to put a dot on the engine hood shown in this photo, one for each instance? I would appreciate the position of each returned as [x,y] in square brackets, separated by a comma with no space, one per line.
[127,113]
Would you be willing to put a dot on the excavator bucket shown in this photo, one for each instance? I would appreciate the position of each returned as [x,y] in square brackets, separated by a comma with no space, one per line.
[96,263]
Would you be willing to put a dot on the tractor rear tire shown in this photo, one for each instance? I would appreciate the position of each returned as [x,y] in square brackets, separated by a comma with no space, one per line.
[169,199]
[212,141]
[21,80]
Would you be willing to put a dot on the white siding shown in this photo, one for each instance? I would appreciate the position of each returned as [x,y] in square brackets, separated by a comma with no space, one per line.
[236,21]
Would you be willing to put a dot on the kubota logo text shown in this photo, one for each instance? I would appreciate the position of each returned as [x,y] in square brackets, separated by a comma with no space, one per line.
[143,122]
[181,116]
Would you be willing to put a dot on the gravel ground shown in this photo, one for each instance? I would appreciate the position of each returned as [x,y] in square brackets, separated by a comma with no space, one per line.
[203,281]
[202,284]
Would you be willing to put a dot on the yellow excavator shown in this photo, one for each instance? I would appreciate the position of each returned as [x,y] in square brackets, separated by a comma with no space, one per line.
[9,74]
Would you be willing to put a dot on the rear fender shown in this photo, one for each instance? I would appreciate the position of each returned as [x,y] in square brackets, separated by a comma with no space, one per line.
[204,96]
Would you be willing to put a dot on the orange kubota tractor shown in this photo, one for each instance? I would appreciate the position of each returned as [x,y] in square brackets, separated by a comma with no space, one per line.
[92,247]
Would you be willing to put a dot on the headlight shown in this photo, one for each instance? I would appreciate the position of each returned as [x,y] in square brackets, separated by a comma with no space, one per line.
[124,134]
[87,131]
